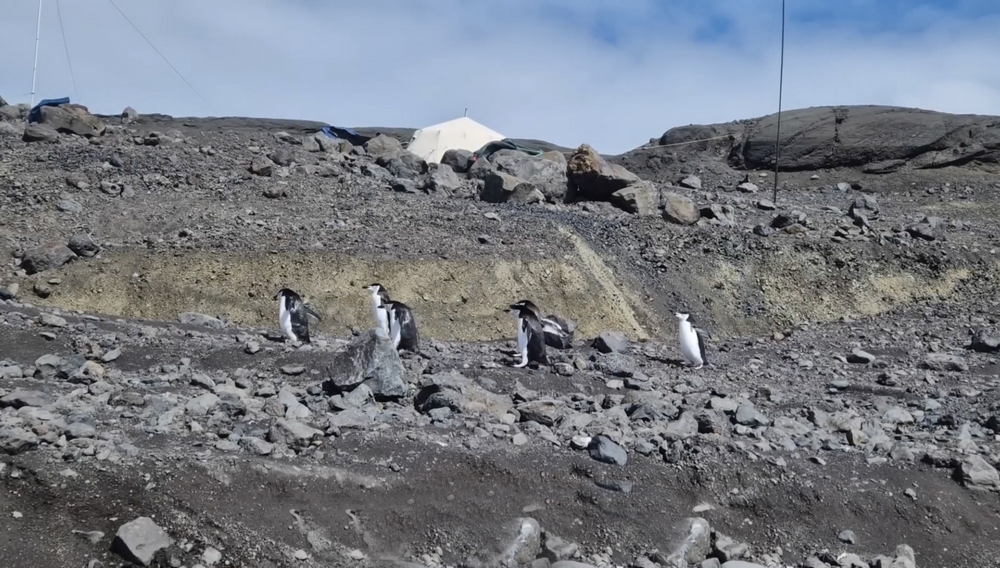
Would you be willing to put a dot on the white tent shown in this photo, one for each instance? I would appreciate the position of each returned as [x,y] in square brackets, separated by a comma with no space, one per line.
[460,134]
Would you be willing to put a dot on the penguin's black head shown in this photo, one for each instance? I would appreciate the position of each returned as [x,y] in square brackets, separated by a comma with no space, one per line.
[526,305]
[285,293]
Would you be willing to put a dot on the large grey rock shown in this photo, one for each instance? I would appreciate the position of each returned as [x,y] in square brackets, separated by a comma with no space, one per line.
[293,433]
[139,540]
[369,359]
[46,257]
[694,546]
[851,136]
[518,544]
[39,133]
[194,318]
[500,187]
[83,245]
[984,342]
[459,160]
[16,440]
[382,145]
[603,449]
[611,342]
[202,405]
[20,398]
[544,412]
[592,177]
[548,176]
[443,179]
[864,207]
[459,393]
[403,164]
[945,362]
[679,209]
[976,473]
[72,119]
[641,198]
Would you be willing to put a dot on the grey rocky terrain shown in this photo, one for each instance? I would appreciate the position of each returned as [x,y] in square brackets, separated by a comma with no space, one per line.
[150,413]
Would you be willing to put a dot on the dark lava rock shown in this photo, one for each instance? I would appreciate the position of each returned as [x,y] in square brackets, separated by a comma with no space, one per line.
[372,360]
[46,257]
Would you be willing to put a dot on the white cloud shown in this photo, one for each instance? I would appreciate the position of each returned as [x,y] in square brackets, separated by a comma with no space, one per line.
[517,67]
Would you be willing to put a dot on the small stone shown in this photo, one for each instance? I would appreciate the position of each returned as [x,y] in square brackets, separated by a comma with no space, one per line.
[976,473]
[611,342]
[603,449]
[945,362]
[860,357]
[847,537]
[691,182]
[252,347]
[112,355]
[293,370]
[50,320]
[211,556]
[301,555]
[139,540]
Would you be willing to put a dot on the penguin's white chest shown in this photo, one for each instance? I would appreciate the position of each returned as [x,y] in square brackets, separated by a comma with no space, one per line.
[381,316]
[522,334]
[285,321]
[689,344]
[395,329]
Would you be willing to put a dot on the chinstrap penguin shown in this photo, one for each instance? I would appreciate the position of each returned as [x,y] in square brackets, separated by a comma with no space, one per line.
[402,326]
[530,334]
[381,315]
[557,332]
[692,342]
[293,315]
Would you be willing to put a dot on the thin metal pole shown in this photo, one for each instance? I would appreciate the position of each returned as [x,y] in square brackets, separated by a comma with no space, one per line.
[781,80]
[34,70]
[466,111]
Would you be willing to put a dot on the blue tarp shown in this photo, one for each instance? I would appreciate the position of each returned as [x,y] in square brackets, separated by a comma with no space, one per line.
[345,134]
[37,109]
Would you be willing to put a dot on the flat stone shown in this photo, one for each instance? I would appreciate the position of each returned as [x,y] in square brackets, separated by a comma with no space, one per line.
[139,540]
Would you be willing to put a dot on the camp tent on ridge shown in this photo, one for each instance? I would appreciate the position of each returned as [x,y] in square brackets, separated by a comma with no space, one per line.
[463,133]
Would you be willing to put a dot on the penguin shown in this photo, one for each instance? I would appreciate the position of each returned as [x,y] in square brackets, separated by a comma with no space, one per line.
[692,342]
[293,315]
[557,332]
[381,315]
[530,333]
[402,326]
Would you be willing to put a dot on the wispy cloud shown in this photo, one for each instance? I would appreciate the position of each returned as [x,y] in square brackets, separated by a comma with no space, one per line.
[613,74]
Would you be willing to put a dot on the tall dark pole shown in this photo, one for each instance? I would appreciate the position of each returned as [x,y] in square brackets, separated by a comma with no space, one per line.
[781,80]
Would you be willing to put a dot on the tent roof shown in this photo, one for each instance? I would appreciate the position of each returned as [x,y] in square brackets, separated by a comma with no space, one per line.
[431,142]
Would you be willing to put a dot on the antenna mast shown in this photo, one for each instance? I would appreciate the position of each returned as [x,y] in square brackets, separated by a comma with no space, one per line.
[34,70]
[781,80]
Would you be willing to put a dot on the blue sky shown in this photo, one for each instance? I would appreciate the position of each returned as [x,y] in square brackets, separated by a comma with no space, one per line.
[610,73]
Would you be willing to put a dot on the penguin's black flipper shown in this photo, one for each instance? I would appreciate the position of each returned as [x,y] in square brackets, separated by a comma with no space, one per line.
[308,310]
[300,326]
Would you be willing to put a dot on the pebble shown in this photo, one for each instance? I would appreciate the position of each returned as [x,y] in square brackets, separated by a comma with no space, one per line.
[847,537]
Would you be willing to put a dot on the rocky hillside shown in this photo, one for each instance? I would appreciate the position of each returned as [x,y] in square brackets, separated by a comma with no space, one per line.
[151,415]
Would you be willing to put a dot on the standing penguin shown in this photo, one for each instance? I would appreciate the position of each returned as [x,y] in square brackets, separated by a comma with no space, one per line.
[402,326]
[530,333]
[692,342]
[379,296]
[558,333]
[293,315]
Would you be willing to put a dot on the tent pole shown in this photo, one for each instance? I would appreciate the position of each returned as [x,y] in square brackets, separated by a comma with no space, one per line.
[34,70]
[466,111]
